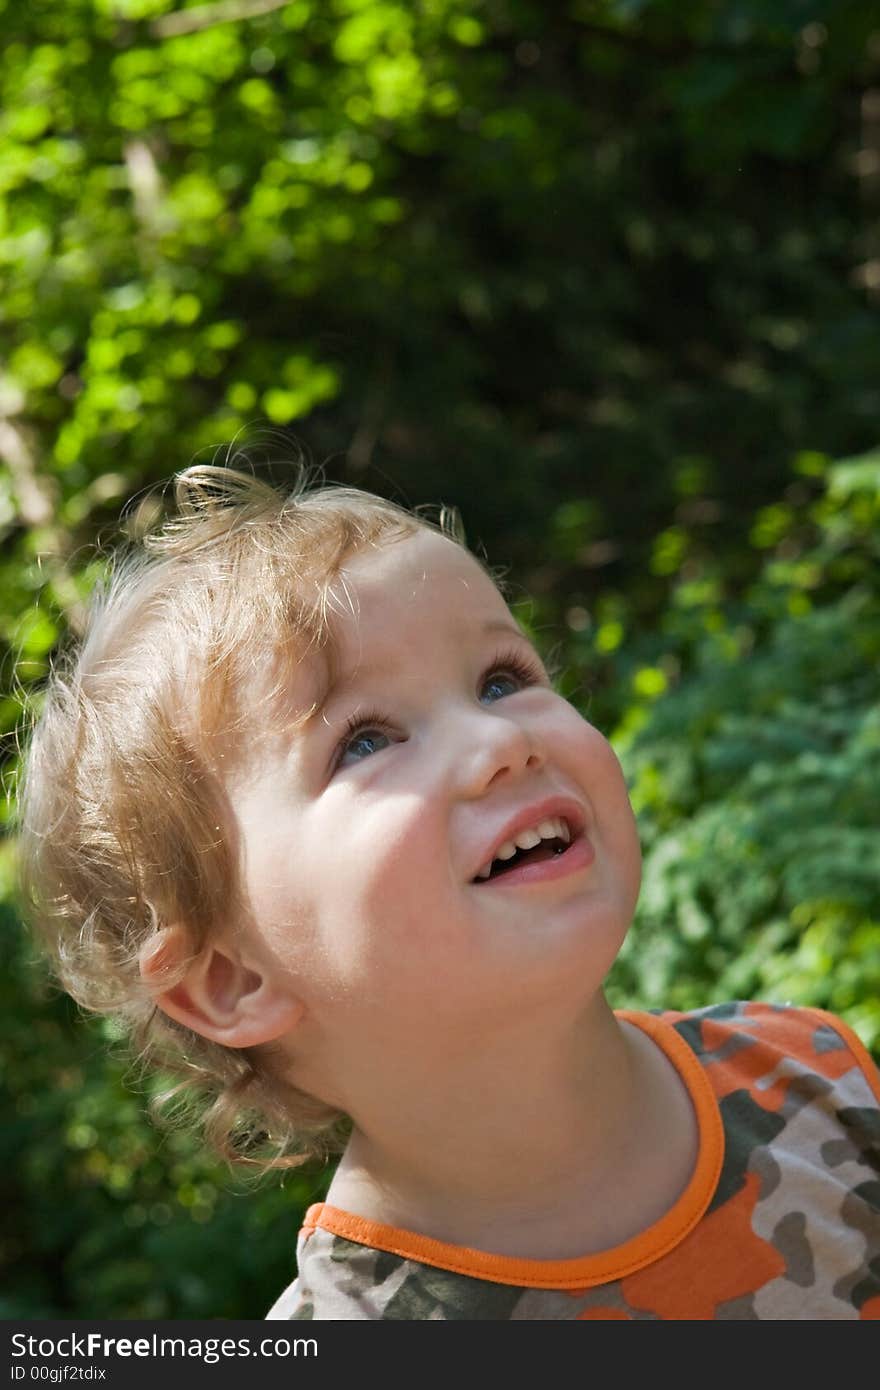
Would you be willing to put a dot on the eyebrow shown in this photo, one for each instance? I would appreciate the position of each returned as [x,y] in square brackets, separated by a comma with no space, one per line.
[342,681]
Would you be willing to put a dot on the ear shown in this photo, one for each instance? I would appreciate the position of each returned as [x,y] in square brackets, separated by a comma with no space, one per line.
[220,995]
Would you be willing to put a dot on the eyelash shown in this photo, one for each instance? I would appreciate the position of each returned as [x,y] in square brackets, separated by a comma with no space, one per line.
[513,663]
[506,664]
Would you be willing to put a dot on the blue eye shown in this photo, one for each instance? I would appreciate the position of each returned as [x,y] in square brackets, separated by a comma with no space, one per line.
[372,732]
[370,741]
[506,677]
[361,740]
[500,685]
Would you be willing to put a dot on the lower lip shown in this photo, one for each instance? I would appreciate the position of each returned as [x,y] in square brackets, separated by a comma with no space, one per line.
[579,855]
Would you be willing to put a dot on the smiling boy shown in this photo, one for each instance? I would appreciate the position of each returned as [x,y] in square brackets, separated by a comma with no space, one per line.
[426,862]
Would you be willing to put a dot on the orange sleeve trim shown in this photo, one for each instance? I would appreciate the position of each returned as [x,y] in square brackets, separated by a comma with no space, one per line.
[854,1043]
[587,1270]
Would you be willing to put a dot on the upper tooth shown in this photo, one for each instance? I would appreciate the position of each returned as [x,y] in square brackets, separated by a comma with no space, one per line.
[550,829]
[526,839]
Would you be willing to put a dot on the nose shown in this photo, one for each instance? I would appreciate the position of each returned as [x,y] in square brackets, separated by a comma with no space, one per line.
[491,747]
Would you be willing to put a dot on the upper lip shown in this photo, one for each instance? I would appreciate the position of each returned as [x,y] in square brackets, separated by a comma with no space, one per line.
[564,807]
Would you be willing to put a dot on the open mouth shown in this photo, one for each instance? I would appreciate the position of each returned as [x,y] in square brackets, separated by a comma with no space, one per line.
[547,849]
[546,840]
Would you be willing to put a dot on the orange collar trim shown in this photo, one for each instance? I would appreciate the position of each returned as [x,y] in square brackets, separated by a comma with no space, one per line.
[586,1270]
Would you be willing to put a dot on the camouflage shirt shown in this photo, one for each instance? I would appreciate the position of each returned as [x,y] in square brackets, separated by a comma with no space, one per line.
[780,1219]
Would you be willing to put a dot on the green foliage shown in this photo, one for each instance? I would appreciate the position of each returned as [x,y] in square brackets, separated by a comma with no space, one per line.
[754,779]
[565,241]
[601,274]
[104,1215]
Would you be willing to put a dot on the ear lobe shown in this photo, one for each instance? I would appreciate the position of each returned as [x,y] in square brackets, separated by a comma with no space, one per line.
[218,995]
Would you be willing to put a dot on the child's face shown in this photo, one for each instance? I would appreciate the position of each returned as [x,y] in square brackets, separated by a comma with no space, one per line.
[365,835]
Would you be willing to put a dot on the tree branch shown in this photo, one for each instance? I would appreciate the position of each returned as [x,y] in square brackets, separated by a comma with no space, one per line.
[36,506]
[207,16]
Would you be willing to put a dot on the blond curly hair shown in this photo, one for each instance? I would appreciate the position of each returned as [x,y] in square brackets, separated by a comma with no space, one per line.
[121,806]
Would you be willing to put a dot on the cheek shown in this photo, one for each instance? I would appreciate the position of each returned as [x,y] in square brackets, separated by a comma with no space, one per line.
[384,920]
[616,822]
[382,877]
[399,866]
[601,777]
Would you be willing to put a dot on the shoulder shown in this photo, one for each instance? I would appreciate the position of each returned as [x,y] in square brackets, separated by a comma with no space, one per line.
[347,1280]
[798,1094]
[290,1305]
[336,1279]
[757,1037]
[339,1280]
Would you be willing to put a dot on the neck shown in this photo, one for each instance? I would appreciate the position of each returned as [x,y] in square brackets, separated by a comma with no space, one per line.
[501,1158]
